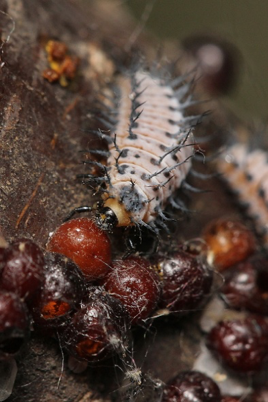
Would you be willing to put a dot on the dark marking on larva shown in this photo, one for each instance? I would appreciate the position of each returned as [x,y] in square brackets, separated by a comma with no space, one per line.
[167,174]
[122,169]
[131,199]
[144,176]
[137,156]
[154,162]
[261,193]
[132,136]
[124,153]
[248,176]
[175,158]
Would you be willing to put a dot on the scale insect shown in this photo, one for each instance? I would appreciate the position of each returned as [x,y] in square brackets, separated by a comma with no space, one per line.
[150,150]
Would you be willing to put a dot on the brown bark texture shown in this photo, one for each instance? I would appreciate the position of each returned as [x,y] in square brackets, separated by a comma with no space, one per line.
[43,129]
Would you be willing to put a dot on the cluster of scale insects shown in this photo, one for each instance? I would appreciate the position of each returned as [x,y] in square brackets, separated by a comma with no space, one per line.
[77,290]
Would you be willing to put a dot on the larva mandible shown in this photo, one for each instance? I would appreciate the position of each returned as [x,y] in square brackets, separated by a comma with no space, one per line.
[246,173]
[150,149]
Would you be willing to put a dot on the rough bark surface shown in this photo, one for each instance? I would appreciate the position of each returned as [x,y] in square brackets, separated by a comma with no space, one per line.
[43,128]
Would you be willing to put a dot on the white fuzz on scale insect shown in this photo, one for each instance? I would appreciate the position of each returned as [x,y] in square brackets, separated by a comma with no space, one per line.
[150,150]
[246,173]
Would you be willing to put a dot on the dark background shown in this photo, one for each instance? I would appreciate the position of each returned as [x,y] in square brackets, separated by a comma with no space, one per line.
[242,22]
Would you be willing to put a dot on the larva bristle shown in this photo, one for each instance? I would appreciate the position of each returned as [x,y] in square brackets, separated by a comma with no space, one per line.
[92,178]
[107,124]
[203,176]
[101,135]
[108,118]
[193,189]
[178,204]
[94,163]
[99,152]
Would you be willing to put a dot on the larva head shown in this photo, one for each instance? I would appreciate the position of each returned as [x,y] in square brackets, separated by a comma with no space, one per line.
[113,214]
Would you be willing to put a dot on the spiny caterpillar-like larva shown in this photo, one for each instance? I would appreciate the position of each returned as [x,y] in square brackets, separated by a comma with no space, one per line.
[150,149]
[246,173]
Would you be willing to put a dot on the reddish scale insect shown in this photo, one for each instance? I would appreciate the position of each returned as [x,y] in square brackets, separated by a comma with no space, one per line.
[98,329]
[229,241]
[136,285]
[14,324]
[61,292]
[241,345]
[232,399]
[246,285]
[185,282]
[86,244]
[189,386]
[23,268]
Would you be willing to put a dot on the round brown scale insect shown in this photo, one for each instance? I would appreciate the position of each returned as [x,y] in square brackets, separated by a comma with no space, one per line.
[86,244]
[185,281]
[136,285]
[60,294]
[189,386]
[229,241]
[217,60]
[98,329]
[23,268]
[14,324]
[241,345]
[246,285]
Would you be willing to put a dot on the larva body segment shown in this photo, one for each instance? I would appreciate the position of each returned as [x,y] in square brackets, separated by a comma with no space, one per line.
[246,173]
[151,151]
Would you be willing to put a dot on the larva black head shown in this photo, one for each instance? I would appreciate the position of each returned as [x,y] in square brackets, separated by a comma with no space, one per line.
[106,218]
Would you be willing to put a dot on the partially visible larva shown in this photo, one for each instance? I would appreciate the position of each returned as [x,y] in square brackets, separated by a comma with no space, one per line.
[150,148]
[246,173]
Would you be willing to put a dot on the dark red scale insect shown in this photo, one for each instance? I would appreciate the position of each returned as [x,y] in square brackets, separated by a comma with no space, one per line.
[98,329]
[134,282]
[189,386]
[217,62]
[60,294]
[241,345]
[246,285]
[185,281]
[22,268]
[14,324]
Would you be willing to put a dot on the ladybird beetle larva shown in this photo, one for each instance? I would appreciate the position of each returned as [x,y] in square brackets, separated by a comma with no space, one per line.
[246,174]
[150,148]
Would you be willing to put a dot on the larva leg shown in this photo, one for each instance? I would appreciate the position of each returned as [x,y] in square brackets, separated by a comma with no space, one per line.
[78,210]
